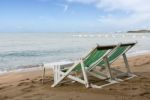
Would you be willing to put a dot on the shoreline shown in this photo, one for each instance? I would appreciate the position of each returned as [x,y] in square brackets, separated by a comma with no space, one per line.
[39,67]
[21,70]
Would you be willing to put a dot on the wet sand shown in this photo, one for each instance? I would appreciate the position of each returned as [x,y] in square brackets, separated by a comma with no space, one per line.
[28,85]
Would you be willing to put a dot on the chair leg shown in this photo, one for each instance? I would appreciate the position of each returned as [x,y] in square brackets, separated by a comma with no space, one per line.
[84,74]
[43,75]
[63,76]
[108,68]
[126,63]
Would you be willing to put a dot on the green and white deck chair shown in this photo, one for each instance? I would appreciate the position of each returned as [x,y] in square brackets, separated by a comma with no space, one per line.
[106,62]
[99,56]
[79,66]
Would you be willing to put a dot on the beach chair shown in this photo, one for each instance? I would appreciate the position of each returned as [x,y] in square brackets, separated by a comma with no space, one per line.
[100,56]
[107,61]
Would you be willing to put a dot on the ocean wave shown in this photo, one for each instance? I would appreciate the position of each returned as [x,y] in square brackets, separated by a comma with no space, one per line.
[29,53]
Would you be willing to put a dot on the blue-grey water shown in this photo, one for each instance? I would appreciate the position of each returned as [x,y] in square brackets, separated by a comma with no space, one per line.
[21,50]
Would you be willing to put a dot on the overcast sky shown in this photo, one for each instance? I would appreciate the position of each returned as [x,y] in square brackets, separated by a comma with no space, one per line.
[74,15]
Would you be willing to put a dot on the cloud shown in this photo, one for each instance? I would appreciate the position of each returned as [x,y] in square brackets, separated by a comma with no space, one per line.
[125,5]
[134,5]
[64,6]
[136,13]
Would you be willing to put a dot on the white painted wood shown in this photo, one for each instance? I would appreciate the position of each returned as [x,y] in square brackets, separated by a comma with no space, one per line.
[84,74]
[65,75]
[75,78]
[59,75]
[126,63]
[56,67]
[97,76]
[101,86]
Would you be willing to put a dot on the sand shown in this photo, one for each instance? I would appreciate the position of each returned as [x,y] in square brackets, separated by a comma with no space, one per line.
[27,85]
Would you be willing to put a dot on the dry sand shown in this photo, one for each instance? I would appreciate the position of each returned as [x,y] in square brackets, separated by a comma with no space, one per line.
[28,86]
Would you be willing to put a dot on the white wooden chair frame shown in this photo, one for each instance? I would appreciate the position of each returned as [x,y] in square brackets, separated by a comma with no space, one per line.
[88,71]
[83,70]
[112,79]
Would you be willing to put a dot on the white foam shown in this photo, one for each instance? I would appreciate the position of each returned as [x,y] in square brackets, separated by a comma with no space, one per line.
[47,65]
[21,70]
[136,53]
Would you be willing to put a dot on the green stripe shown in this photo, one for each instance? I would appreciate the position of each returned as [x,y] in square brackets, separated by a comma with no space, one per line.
[94,56]
[116,54]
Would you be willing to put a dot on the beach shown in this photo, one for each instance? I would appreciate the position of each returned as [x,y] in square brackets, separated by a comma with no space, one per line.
[27,85]
[74,50]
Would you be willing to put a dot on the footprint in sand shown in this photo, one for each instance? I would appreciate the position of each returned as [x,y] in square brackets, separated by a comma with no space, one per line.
[70,99]
[23,84]
[146,85]
[29,96]
[28,89]
[110,89]
[126,88]
[144,78]
[3,97]
[25,79]
[134,88]
[145,93]
[77,96]
[35,81]
[4,87]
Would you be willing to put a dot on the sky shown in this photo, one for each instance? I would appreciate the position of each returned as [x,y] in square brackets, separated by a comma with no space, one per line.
[74,15]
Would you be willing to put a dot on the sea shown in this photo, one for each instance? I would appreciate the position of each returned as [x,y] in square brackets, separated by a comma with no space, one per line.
[27,50]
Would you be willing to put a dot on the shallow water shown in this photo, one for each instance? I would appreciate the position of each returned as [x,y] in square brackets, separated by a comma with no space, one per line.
[19,50]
